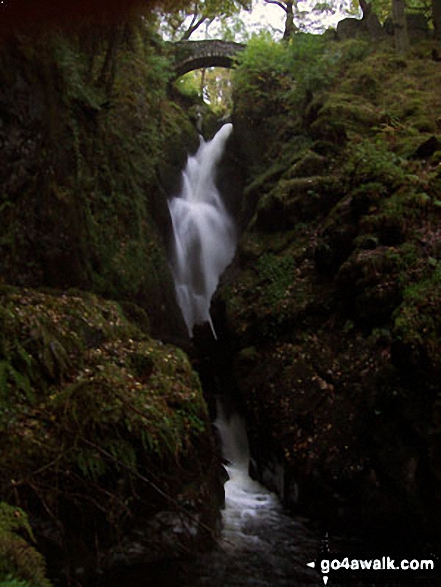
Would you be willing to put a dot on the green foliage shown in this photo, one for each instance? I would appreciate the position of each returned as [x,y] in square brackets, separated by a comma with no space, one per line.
[16,364]
[279,85]
[190,84]
[212,85]
[383,8]
[9,581]
[374,162]
[282,71]
[417,319]
[217,90]
[276,275]
[182,23]
[103,404]
[261,66]
[352,52]
[20,564]
[73,73]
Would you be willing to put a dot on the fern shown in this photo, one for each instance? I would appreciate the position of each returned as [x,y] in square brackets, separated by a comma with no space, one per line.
[21,382]
[90,463]
[10,376]
[20,564]
[10,581]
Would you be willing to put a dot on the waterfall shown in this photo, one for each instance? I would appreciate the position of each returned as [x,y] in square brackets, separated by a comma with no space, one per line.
[247,503]
[260,545]
[204,232]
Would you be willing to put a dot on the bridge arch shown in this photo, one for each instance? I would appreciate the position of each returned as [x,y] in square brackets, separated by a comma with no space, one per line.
[191,55]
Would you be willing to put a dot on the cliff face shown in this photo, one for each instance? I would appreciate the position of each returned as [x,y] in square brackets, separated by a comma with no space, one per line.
[105,438]
[86,126]
[333,302]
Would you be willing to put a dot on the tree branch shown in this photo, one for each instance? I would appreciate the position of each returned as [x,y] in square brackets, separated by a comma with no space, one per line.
[193,26]
[278,4]
[179,508]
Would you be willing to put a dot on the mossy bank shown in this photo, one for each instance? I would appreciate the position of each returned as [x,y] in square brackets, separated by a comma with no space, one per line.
[105,434]
[107,450]
[333,302]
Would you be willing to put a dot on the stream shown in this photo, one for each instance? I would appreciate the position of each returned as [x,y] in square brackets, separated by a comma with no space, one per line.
[260,544]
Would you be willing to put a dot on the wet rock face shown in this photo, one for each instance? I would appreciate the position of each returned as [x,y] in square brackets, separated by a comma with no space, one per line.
[339,422]
[49,240]
[341,442]
[77,209]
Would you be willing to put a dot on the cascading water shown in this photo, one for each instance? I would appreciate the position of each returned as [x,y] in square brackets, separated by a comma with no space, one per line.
[204,233]
[260,545]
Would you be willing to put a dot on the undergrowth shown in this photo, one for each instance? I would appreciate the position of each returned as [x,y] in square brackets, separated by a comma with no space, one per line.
[20,563]
[89,405]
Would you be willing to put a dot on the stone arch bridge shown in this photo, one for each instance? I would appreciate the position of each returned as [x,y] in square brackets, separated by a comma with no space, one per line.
[191,55]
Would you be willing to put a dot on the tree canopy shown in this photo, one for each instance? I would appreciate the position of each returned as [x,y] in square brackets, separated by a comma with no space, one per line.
[182,23]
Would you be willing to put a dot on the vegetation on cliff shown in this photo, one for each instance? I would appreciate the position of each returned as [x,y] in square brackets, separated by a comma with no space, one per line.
[335,304]
[87,129]
[103,429]
[96,417]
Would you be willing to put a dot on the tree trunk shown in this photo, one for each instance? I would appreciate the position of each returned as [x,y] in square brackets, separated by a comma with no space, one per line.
[366,8]
[202,84]
[290,27]
[400,26]
[436,16]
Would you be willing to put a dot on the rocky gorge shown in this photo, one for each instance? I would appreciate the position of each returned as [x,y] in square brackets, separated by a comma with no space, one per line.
[331,306]
[328,318]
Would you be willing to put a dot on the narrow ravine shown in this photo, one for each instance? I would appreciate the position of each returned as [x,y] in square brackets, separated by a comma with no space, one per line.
[259,544]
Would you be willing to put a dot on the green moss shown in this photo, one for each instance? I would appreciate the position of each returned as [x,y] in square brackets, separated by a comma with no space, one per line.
[417,320]
[355,116]
[276,275]
[372,162]
[296,200]
[91,406]
[20,564]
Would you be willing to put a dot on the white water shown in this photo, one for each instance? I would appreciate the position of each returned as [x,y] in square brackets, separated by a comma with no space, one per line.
[204,233]
[247,503]
[260,545]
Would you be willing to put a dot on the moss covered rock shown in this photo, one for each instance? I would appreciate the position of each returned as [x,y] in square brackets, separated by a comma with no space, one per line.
[21,565]
[89,131]
[101,428]
[333,303]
